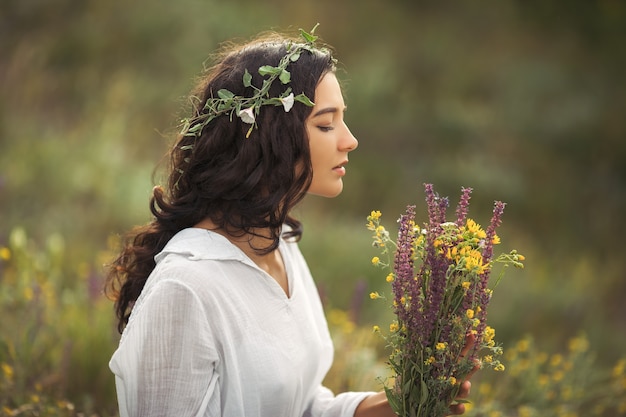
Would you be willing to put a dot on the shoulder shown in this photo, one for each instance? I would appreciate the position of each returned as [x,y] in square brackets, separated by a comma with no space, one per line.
[195,260]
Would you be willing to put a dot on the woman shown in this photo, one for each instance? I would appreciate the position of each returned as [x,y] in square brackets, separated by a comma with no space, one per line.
[219,312]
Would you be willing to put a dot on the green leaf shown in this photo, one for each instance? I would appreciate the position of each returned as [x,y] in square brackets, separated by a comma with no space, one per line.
[302,98]
[284,77]
[309,37]
[295,57]
[195,128]
[461,401]
[247,79]
[225,94]
[274,101]
[269,70]
[424,396]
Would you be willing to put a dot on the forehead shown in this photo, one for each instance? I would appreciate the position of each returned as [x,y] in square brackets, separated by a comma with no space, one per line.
[328,93]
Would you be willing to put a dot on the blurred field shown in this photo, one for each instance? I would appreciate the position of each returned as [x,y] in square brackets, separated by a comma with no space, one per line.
[521,100]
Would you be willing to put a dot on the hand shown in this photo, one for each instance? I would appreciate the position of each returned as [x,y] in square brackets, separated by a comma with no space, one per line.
[466,385]
[376,405]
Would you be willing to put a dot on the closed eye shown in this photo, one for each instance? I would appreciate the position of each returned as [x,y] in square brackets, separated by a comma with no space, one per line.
[325,128]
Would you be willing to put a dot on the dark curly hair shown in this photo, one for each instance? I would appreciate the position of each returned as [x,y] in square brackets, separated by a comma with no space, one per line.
[241,184]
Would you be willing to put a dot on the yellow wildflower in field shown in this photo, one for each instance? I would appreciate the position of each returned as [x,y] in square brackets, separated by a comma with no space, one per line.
[618,369]
[7,370]
[374,295]
[578,344]
[556,360]
[5,253]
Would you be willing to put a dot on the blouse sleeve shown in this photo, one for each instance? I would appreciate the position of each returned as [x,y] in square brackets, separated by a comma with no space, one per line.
[326,404]
[165,364]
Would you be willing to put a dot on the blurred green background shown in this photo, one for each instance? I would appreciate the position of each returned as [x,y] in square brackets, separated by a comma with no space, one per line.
[523,100]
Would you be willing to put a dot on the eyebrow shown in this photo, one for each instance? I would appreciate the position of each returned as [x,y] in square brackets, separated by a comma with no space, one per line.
[327,110]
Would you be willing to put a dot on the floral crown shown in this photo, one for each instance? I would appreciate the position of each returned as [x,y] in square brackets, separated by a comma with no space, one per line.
[247,108]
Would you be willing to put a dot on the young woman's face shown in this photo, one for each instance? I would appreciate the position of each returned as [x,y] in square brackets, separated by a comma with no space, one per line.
[330,140]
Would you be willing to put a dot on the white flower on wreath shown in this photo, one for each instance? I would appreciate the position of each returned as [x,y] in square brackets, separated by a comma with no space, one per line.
[287,102]
[247,115]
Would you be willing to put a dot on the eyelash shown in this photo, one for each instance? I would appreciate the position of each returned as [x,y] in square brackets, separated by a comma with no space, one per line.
[325,128]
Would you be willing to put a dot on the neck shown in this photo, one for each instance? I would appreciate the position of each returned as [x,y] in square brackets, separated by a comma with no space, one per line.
[249,243]
[272,262]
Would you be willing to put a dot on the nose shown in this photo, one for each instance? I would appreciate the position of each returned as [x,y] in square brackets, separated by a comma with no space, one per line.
[348,141]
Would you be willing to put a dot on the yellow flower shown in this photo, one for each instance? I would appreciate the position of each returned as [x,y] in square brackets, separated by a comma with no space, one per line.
[376,329]
[524,411]
[375,215]
[474,228]
[375,260]
[5,253]
[393,327]
[579,344]
[466,284]
[452,380]
[28,293]
[489,334]
[7,370]
[495,240]
[618,369]
[374,295]
[499,367]
[440,346]
[389,278]
[556,360]
[469,313]
[430,360]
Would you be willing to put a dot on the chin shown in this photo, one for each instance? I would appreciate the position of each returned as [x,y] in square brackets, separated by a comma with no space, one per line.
[329,192]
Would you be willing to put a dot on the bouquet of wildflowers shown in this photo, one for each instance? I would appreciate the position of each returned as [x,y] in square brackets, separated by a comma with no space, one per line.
[439,275]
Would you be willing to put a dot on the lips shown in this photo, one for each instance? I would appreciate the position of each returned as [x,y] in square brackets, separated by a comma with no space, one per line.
[341,169]
[341,165]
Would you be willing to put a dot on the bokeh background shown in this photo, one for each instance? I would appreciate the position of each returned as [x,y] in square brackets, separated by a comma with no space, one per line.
[522,100]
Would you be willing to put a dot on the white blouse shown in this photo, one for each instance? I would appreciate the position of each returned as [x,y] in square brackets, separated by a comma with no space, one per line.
[212,334]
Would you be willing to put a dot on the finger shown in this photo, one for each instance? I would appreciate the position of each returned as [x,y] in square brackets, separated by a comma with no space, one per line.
[475,369]
[457,409]
[470,339]
[464,389]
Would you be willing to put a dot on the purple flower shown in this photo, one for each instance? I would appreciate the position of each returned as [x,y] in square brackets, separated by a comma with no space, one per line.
[496,220]
[462,208]
[403,264]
